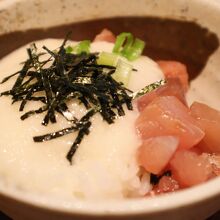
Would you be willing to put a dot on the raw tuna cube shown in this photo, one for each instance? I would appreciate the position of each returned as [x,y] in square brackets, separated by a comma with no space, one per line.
[189,168]
[105,35]
[209,121]
[167,184]
[168,116]
[173,87]
[155,153]
[174,69]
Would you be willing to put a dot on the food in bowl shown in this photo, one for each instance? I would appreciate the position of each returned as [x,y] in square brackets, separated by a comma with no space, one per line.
[131,132]
[109,155]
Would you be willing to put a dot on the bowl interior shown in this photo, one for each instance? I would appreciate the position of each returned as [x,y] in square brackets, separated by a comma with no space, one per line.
[23,15]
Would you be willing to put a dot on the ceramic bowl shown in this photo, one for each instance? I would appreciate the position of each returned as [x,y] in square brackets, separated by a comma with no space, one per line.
[194,203]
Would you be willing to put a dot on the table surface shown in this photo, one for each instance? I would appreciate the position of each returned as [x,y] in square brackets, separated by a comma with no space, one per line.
[214,217]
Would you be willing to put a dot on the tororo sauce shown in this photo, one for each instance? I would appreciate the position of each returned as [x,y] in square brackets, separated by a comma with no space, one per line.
[105,162]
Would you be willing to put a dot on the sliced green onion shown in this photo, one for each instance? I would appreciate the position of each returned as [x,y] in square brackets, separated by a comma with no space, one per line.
[109,59]
[122,72]
[125,39]
[83,46]
[132,53]
[123,68]
[128,47]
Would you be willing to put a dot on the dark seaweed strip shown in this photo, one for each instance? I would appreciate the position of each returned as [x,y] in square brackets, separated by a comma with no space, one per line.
[87,91]
[82,132]
[75,62]
[36,98]
[33,112]
[48,91]
[6,93]
[24,95]
[52,103]
[32,73]
[59,66]
[62,49]
[85,102]
[117,103]
[84,126]
[49,51]
[29,94]
[105,97]
[33,98]
[87,116]
[60,133]
[26,99]
[50,115]
[27,81]
[22,74]
[67,114]
[22,92]
[96,66]
[123,94]
[49,98]
[52,106]
[106,112]
[128,102]
[47,85]
[9,77]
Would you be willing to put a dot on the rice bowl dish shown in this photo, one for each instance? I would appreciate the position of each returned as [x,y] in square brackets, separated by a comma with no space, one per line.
[104,144]
[107,169]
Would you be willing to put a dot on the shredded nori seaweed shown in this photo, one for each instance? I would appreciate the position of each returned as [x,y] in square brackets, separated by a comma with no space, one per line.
[64,77]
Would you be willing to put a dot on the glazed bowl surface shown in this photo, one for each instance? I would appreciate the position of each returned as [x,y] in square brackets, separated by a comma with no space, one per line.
[194,203]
